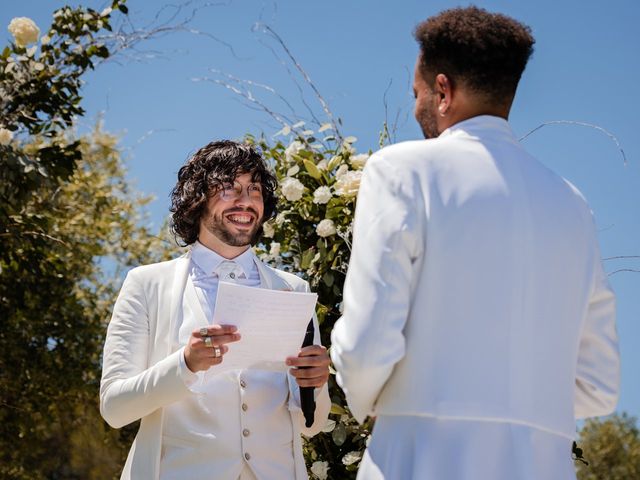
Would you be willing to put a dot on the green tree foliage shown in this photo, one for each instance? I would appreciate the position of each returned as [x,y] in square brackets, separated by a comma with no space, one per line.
[611,448]
[57,295]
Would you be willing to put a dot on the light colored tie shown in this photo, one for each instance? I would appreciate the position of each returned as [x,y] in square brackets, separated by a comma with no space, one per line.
[229,271]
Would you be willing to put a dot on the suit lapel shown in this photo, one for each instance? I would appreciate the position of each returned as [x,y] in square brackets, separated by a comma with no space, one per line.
[177,292]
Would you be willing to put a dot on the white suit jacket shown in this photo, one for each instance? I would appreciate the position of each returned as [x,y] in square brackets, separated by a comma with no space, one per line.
[141,374]
[475,288]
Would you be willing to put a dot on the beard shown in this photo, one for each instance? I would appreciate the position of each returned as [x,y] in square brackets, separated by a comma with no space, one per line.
[428,123]
[215,224]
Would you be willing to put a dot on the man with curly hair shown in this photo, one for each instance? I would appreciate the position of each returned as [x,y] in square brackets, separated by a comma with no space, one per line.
[478,322]
[229,424]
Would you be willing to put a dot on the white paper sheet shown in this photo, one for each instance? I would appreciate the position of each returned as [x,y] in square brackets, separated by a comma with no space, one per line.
[272,324]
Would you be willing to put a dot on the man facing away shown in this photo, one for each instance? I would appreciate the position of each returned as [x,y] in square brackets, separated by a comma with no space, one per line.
[478,322]
[238,424]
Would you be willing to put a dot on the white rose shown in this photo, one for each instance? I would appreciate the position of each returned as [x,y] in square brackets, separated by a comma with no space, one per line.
[358,161]
[348,184]
[280,219]
[326,228]
[342,170]
[351,458]
[322,195]
[274,251]
[320,470]
[5,136]
[24,30]
[292,189]
[293,149]
[268,230]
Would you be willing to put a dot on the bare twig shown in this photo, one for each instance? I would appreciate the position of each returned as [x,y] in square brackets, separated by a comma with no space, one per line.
[127,36]
[620,257]
[582,124]
[325,106]
[633,270]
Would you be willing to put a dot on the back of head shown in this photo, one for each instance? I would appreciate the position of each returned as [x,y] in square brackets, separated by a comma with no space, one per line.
[484,52]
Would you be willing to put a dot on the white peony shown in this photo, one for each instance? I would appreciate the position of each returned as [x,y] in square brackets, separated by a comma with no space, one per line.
[267,230]
[322,195]
[293,149]
[358,161]
[24,30]
[274,251]
[320,470]
[351,458]
[326,228]
[280,218]
[342,170]
[348,184]
[292,189]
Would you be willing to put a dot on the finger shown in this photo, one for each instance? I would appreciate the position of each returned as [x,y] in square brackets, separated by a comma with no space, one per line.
[210,352]
[217,341]
[214,330]
[315,361]
[312,350]
[309,372]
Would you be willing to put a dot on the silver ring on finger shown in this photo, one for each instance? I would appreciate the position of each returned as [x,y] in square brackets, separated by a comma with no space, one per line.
[203,332]
[208,343]
[217,352]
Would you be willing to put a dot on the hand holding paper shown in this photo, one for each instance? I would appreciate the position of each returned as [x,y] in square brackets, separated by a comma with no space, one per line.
[272,323]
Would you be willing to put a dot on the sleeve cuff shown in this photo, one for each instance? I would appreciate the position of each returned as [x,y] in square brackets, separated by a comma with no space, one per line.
[188,377]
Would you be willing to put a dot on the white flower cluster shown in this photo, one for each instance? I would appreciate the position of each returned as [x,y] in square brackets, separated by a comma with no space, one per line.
[5,136]
[24,31]
[274,251]
[292,189]
[326,228]
[320,470]
[267,230]
[322,195]
[358,161]
[347,184]
[293,149]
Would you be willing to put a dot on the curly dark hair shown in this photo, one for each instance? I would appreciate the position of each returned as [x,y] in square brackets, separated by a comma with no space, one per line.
[487,52]
[203,174]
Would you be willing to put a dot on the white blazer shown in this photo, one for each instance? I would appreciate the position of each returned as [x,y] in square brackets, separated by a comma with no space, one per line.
[141,374]
[475,288]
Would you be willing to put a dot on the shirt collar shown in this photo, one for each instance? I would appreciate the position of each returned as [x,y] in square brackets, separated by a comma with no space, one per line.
[480,124]
[208,260]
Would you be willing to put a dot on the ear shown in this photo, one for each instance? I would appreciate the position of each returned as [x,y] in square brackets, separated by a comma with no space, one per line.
[444,91]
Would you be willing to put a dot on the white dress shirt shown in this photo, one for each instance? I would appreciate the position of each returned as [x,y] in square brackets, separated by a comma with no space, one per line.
[226,430]
[478,321]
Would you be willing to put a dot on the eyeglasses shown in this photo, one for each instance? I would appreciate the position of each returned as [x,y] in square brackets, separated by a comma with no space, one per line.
[233,191]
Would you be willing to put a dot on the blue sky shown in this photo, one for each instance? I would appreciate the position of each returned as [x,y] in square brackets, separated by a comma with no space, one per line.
[585,68]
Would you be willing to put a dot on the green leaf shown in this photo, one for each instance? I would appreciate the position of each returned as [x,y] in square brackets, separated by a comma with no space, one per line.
[337,409]
[123,9]
[307,256]
[339,434]
[327,278]
[312,169]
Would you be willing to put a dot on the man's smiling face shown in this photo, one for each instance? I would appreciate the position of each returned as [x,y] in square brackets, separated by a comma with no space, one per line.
[235,212]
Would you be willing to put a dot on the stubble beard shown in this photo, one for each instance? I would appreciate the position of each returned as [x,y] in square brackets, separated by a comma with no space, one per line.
[216,226]
[428,124]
